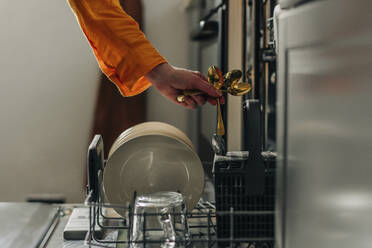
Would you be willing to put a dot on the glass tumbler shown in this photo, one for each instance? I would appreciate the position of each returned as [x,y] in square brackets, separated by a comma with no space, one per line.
[159,220]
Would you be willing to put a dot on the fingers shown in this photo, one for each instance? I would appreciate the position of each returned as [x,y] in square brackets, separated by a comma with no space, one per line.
[189,102]
[185,79]
[192,102]
[222,100]
[204,86]
[213,101]
[185,105]
[200,100]
[200,75]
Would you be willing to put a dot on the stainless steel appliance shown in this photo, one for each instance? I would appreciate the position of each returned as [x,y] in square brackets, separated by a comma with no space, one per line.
[286,4]
[324,125]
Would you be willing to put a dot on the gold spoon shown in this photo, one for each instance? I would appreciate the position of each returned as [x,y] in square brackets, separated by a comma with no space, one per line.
[238,89]
[216,79]
[232,77]
[227,83]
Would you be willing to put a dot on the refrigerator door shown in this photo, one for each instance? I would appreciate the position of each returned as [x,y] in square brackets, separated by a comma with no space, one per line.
[325,126]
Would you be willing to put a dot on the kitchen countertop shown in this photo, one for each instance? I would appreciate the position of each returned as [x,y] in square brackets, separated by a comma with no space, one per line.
[42,225]
[24,224]
[27,225]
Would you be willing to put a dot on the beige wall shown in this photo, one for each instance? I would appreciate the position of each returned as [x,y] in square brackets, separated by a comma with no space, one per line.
[48,80]
[166,26]
[234,108]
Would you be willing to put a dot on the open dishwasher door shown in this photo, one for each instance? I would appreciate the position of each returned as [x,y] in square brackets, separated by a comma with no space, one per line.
[324,125]
[26,224]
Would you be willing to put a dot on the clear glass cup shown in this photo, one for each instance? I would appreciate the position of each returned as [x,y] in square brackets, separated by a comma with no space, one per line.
[159,220]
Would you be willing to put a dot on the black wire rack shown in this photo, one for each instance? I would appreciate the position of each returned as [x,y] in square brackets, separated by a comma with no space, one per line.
[205,222]
[201,224]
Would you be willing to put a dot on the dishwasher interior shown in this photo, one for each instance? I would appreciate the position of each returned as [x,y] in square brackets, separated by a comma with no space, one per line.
[242,213]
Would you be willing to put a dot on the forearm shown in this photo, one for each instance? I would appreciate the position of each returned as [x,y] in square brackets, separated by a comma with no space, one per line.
[122,51]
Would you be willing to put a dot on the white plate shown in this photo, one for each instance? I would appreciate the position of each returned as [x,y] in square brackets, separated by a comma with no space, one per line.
[148,128]
[153,163]
[153,128]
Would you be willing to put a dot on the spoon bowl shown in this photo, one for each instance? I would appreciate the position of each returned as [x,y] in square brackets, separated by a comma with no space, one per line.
[239,89]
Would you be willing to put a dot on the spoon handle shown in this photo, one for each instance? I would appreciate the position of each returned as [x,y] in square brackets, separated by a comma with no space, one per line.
[192,93]
[181,98]
[220,126]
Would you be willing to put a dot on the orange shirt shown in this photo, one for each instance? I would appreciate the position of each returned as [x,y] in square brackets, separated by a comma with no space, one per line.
[122,51]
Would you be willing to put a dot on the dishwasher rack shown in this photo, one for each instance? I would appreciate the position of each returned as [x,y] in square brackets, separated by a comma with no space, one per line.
[201,220]
[202,227]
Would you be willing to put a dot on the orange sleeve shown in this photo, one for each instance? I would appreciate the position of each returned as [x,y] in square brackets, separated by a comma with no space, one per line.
[122,50]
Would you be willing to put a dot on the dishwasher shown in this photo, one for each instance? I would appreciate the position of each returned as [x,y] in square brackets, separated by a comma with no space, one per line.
[243,211]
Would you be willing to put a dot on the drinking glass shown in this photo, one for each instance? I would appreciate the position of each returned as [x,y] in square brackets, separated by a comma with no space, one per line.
[159,220]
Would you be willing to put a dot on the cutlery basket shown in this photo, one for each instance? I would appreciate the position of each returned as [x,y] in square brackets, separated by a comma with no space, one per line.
[246,184]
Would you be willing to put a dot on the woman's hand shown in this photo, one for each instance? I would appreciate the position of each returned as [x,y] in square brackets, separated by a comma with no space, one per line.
[171,81]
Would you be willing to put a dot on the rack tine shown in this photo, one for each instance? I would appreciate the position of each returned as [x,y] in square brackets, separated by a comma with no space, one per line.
[130,222]
[209,230]
[231,226]
[144,230]
[204,234]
